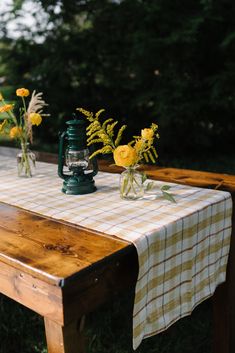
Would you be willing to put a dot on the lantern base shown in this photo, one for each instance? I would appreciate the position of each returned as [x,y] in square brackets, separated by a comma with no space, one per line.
[74,186]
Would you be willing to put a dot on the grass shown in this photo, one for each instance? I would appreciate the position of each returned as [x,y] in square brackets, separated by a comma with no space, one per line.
[109,329]
[112,331]
[21,330]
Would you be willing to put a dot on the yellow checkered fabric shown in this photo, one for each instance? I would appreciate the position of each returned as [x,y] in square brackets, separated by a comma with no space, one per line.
[182,248]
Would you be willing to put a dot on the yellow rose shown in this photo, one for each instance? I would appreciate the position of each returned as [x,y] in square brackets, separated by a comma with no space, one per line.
[15,132]
[147,134]
[35,119]
[6,108]
[125,156]
[22,92]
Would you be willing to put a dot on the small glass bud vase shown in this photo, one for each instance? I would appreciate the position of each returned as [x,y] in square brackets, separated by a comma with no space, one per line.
[131,184]
[26,161]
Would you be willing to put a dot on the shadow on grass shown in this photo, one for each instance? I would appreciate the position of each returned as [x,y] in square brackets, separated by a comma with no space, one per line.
[108,330]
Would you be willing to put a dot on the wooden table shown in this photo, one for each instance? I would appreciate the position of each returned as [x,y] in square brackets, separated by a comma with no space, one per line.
[62,272]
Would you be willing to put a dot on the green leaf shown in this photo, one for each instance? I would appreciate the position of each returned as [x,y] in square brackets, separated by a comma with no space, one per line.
[165,187]
[168,196]
[144,178]
[4,118]
[149,186]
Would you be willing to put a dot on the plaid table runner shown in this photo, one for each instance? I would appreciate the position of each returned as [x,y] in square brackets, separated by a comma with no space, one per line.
[182,248]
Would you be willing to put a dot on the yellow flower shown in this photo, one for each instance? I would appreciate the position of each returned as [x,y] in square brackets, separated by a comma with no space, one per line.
[125,156]
[2,125]
[147,134]
[35,119]
[139,144]
[6,108]
[103,136]
[22,92]
[15,132]
[1,97]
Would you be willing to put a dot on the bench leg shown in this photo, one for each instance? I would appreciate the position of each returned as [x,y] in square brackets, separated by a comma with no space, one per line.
[64,339]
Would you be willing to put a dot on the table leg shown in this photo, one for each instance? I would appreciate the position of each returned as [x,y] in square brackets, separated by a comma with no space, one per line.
[64,339]
[221,320]
[224,306]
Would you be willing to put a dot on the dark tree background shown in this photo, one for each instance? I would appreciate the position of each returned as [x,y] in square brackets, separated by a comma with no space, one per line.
[167,61]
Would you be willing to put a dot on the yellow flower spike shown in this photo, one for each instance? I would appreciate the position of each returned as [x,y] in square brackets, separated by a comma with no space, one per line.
[154,152]
[22,92]
[103,136]
[99,112]
[35,119]
[147,133]
[154,126]
[138,145]
[146,157]
[15,132]
[125,156]
[6,108]
[150,155]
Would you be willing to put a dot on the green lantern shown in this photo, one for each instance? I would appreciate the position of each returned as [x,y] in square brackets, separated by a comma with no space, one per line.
[74,156]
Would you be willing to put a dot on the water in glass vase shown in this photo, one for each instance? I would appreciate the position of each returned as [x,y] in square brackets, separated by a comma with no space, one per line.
[131,184]
[26,161]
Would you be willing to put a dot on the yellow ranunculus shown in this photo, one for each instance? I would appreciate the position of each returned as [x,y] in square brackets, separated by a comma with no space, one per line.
[147,134]
[35,119]
[125,156]
[6,108]
[15,132]
[22,92]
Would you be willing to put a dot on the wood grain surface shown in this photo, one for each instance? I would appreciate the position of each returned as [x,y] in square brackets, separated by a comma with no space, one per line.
[50,250]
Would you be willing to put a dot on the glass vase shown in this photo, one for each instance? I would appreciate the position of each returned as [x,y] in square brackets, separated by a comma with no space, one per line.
[131,184]
[26,161]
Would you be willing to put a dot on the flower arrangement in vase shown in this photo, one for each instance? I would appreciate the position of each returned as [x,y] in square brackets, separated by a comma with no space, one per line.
[140,149]
[20,127]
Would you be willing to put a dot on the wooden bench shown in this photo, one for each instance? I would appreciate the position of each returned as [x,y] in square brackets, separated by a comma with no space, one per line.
[63,272]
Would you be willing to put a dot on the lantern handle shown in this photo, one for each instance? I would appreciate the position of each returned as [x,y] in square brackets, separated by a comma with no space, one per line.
[61,156]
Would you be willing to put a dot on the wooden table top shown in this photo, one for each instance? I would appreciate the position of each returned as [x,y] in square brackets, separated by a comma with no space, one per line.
[50,250]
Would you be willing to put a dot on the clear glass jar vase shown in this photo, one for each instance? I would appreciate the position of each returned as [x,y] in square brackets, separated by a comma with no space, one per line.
[131,184]
[26,161]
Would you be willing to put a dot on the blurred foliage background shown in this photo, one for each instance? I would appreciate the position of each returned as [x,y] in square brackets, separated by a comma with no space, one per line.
[171,62]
